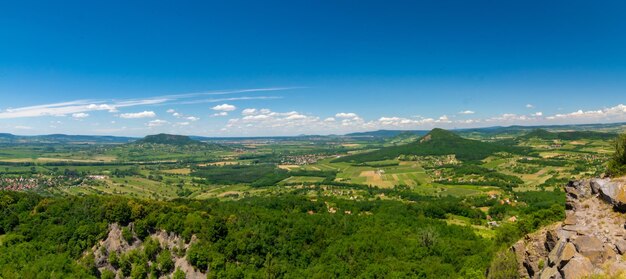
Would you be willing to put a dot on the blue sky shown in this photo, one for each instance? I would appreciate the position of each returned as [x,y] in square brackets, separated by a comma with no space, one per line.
[304,67]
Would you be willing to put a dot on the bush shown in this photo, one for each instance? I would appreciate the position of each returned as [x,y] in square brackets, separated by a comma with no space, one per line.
[198,256]
[617,165]
[107,274]
[164,261]
[179,274]
[503,266]
[151,248]
[127,235]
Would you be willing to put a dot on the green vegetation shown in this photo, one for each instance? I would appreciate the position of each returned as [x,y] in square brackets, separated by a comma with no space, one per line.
[256,236]
[437,142]
[617,165]
[385,204]
[168,139]
[569,135]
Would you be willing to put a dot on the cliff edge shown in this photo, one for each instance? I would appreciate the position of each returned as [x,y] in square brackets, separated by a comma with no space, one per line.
[590,241]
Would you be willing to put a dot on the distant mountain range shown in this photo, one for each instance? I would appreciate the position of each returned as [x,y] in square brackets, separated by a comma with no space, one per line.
[60,138]
[168,139]
[436,142]
[569,135]
[612,128]
[609,129]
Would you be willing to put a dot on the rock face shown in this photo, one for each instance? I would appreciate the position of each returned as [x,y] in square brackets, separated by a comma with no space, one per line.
[115,243]
[590,241]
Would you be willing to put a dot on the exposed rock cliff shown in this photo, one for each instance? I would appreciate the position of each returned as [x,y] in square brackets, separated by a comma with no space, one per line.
[116,244]
[591,240]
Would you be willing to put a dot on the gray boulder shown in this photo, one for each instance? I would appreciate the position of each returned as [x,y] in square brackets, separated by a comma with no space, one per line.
[550,273]
[615,194]
[596,183]
[621,246]
[590,247]
[552,238]
[567,253]
[578,267]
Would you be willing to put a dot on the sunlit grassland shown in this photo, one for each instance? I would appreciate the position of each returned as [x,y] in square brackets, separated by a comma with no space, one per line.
[482,231]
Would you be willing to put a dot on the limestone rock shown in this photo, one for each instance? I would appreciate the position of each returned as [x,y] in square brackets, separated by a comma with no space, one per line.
[570,219]
[554,255]
[590,247]
[609,254]
[615,194]
[552,237]
[519,249]
[567,253]
[596,183]
[577,267]
[621,246]
[550,273]
[587,242]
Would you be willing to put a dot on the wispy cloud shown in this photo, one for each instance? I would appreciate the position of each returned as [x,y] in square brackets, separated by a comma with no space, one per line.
[80,115]
[143,114]
[616,113]
[156,123]
[227,99]
[224,107]
[228,92]
[84,106]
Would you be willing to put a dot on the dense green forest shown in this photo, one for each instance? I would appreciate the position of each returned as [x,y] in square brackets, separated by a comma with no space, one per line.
[569,135]
[437,142]
[283,236]
[617,164]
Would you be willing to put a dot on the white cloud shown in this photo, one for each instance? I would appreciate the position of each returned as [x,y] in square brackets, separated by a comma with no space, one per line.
[443,119]
[296,117]
[245,98]
[529,106]
[538,113]
[78,106]
[507,118]
[248,111]
[171,111]
[222,113]
[467,112]
[110,108]
[143,114]
[346,115]
[616,113]
[20,127]
[156,123]
[224,107]
[80,115]
[192,118]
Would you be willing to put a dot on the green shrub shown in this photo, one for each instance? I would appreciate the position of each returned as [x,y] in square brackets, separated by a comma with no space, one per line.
[179,274]
[107,274]
[127,235]
[503,266]
[164,261]
[617,165]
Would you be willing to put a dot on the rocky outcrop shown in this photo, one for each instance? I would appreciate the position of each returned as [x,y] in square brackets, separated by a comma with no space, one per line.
[114,243]
[590,241]
[613,192]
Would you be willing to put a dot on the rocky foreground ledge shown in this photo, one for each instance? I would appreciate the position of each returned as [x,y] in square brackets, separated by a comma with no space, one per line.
[590,241]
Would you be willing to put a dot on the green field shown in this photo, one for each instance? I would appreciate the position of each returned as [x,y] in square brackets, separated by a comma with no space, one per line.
[301,180]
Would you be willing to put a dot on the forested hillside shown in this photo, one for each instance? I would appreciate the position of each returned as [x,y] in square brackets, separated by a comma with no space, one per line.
[437,142]
[287,236]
